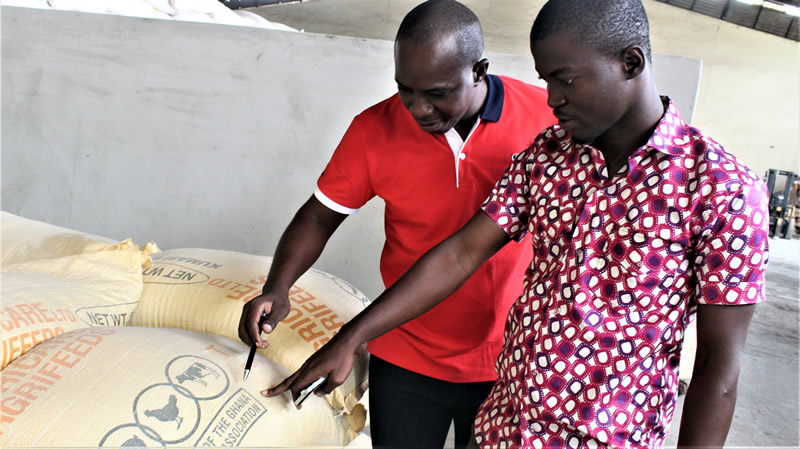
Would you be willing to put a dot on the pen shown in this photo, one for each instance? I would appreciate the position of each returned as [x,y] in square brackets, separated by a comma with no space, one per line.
[252,354]
[308,390]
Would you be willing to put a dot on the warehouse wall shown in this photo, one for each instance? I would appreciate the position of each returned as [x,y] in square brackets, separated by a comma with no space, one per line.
[194,134]
[749,98]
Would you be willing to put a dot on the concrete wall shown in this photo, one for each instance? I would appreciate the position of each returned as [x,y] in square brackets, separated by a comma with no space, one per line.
[749,99]
[193,134]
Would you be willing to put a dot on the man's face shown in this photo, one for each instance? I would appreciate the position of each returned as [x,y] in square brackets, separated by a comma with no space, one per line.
[587,90]
[435,87]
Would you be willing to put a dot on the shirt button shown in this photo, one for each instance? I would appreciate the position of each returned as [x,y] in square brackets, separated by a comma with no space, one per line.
[462,156]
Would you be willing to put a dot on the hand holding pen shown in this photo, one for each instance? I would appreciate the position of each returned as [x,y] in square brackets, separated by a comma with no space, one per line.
[305,393]
[253,348]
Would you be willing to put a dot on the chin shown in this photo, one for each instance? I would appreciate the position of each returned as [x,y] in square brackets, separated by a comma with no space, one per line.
[583,138]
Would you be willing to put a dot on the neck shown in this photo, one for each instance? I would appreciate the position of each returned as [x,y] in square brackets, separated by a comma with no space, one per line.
[632,131]
[464,126]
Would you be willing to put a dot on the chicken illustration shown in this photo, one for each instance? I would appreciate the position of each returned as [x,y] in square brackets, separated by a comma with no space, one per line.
[195,373]
[167,413]
[134,442]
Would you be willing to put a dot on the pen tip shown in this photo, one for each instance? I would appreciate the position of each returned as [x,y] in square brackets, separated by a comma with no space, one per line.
[246,373]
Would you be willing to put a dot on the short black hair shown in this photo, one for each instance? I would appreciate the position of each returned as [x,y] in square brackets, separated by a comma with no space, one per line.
[609,26]
[435,20]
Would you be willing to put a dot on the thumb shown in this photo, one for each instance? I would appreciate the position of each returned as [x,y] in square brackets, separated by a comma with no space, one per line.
[275,316]
[270,323]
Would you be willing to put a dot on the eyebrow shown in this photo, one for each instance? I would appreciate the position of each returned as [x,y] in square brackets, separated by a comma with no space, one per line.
[559,71]
[446,88]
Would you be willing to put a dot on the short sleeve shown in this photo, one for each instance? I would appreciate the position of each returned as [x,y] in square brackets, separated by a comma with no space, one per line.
[508,204]
[732,252]
[345,183]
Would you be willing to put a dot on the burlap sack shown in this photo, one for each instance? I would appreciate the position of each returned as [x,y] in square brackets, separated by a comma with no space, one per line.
[204,290]
[148,387]
[49,296]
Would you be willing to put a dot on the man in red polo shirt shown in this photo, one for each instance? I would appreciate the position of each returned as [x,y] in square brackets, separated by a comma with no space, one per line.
[432,152]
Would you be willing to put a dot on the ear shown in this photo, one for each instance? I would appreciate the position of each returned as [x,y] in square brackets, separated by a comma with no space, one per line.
[479,70]
[634,61]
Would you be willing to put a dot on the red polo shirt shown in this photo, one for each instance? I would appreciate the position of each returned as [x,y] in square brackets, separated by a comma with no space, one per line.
[431,188]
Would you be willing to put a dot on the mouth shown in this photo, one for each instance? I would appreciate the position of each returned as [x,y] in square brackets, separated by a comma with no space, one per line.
[564,120]
[430,125]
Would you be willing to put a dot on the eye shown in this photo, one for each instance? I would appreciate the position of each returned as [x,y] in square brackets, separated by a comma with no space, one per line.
[568,81]
[402,88]
[437,94]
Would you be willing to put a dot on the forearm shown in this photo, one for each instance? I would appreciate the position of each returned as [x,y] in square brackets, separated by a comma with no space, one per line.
[711,399]
[708,409]
[434,277]
[299,247]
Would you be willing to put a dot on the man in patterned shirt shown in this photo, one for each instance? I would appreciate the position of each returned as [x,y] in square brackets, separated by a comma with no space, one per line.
[639,223]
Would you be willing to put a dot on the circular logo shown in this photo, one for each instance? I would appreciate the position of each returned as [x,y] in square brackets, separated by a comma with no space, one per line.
[202,378]
[167,413]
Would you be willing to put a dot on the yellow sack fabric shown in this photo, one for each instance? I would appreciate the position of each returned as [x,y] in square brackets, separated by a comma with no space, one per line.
[204,290]
[45,297]
[156,387]
[24,240]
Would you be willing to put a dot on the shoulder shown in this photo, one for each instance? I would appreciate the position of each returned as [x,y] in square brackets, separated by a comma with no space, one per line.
[550,144]
[383,110]
[520,89]
[714,165]
[725,184]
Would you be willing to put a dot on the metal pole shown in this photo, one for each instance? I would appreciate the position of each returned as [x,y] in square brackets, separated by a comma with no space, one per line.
[725,11]
[758,16]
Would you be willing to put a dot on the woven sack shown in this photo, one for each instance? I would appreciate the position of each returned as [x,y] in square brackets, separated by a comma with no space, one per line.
[147,387]
[204,290]
[49,296]
[24,240]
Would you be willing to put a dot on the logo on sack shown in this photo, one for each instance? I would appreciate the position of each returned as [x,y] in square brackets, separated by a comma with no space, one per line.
[109,315]
[171,273]
[170,413]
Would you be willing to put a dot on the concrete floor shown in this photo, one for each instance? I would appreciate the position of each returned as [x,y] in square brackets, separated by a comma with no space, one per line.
[767,409]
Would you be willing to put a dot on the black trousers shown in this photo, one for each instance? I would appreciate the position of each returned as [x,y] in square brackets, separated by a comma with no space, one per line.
[409,410]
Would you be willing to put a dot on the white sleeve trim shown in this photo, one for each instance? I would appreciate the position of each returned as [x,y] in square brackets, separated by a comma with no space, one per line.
[333,205]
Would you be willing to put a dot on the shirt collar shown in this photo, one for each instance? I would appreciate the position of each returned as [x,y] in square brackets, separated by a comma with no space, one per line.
[672,136]
[494,99]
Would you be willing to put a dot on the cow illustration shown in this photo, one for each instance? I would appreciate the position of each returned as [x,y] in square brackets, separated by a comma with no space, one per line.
[196,372]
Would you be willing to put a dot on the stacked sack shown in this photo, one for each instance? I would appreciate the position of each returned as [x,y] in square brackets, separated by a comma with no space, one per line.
[155,387]
[55,280]
[73,351]
[204,290]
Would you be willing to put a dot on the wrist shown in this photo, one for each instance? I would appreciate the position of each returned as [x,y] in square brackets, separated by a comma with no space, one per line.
[270,288]
[350,336]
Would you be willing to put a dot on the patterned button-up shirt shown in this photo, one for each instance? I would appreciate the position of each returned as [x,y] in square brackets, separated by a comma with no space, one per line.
[592,347]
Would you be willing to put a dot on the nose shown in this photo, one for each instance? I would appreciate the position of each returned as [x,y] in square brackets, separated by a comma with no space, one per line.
[554,96]
[419,107]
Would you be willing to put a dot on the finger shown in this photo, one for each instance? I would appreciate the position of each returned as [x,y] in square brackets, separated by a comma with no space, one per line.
[337,376]
[330,384]
[326,388]
[277,390]
[282,387]
[243,320]
[276,314]
[254,319]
